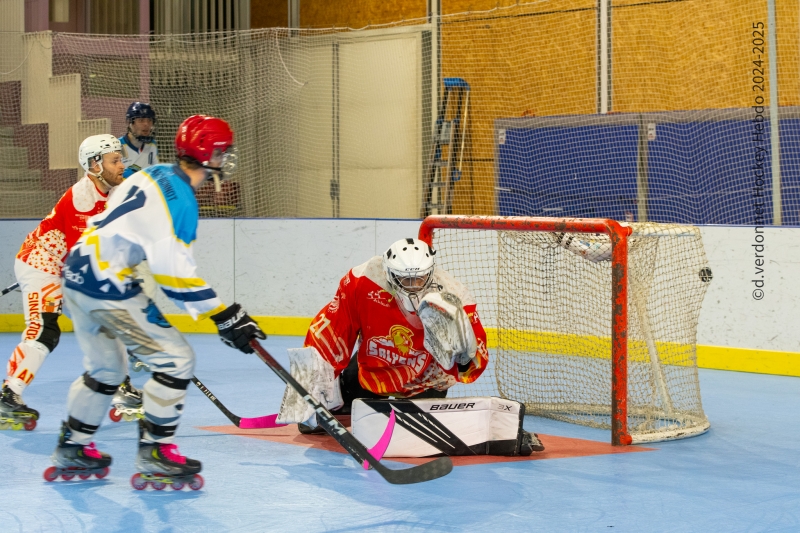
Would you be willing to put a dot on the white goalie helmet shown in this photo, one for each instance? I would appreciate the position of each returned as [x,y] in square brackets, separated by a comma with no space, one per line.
[93,148]
[409,265]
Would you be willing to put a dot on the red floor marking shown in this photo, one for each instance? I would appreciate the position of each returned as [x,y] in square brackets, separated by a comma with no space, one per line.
[555,447]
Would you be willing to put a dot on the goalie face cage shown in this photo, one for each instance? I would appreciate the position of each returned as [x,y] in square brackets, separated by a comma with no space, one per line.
[560,324]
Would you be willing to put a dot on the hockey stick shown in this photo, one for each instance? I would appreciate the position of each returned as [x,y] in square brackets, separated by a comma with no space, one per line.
[260,422]
[424,472]
[9,289]
[245,423]
[422,425]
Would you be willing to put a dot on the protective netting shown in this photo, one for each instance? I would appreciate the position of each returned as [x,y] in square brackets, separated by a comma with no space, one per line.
[672,124]
[547,309]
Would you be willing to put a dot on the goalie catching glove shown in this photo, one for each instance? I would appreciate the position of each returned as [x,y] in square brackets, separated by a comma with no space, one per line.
[448,333]
[237,329]
[315,374]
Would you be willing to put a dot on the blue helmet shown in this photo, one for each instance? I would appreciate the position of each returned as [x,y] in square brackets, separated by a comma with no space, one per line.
[141,110]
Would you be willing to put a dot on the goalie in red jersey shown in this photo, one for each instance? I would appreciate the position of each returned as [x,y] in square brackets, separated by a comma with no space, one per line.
[397,327]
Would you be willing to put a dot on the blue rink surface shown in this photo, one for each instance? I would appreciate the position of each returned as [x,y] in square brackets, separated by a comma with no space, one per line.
[743,475]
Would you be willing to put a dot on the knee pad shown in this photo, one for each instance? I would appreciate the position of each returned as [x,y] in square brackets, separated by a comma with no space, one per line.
[96,386]
[51,332]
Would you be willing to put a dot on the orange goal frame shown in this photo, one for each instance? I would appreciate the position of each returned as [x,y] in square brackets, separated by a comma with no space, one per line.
[619,287]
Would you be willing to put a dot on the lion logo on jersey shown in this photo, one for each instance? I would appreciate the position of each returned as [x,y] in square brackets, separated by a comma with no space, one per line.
[401,337]
[398,349]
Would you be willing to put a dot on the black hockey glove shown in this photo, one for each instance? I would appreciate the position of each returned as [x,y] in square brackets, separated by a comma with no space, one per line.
[237,329]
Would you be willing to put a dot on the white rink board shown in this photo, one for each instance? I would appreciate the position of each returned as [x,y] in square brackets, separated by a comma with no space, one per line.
[291,267]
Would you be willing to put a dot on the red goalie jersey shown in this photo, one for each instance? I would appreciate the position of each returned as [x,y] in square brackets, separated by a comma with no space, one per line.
[391,357]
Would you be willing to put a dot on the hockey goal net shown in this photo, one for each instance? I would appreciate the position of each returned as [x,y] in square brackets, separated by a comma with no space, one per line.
[590,321]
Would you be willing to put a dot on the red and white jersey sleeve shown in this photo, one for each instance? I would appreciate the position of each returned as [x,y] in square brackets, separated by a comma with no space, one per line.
[46,247]
[392,359]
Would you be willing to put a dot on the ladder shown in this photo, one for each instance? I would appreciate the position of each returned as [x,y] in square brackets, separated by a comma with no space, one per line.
[447,152]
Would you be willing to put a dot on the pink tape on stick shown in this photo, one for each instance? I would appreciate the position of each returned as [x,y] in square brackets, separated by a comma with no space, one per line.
[380,447]
[260,422]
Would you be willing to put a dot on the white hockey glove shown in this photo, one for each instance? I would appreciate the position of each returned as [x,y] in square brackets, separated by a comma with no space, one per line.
[315,374]
[595,250]
[448,332]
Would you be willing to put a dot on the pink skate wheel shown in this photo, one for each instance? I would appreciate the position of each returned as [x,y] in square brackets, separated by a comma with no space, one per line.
[30,425]
[84,476]
[138,483]
[177,485]
[158,485]
[114,415]
[50,474]
[197,482]
[67,477]
[101,474]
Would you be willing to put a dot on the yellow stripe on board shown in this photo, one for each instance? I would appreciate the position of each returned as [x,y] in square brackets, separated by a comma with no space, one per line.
[714,357]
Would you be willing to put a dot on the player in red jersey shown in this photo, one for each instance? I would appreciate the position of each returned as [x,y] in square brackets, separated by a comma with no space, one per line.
[400,327]
[38,270]
[376,307]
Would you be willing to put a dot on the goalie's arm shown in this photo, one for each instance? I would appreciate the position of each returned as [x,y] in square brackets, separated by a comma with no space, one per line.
[454,335]
[334,331]
[476,365]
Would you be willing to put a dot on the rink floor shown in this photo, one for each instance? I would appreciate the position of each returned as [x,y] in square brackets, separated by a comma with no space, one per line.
[743,475]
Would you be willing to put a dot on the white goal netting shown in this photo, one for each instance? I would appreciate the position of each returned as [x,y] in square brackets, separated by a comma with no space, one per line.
[548,314]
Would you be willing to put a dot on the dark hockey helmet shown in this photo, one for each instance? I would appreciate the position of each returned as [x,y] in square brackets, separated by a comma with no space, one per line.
[141,110]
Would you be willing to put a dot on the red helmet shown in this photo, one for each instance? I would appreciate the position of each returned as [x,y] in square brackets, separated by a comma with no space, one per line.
[200,135]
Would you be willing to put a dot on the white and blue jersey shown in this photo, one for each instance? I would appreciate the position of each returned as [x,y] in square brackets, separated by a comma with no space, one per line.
[152,215]
[135,159]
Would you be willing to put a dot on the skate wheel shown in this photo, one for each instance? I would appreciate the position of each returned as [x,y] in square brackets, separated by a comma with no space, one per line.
[158,485]
[177,485]
[84,476]
[67,477]
[138,483]
[114,415]
[30,425]
[197,482]
[16,426]
[128,418]
[101,474]
[4,425]
[50,474]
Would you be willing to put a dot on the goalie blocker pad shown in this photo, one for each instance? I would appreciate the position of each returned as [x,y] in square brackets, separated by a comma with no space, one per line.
[459,426]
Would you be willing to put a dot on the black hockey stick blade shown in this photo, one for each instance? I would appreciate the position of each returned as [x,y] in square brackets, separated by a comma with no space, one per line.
[416,474]
[259,422]
[10,288]
[232,417]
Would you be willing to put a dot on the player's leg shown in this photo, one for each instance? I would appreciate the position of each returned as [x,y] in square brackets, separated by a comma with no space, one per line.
[171,360]
[41,299]
[90,394]
[127,400]
[458,426]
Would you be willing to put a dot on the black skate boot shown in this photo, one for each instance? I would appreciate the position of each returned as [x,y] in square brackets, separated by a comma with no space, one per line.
[307,429]
[71,459]
[529,443]
[14,414]
[161,465]
[127,403]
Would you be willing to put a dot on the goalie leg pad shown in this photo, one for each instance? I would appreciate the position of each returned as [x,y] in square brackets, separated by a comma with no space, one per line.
[315,374]
[460,426]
